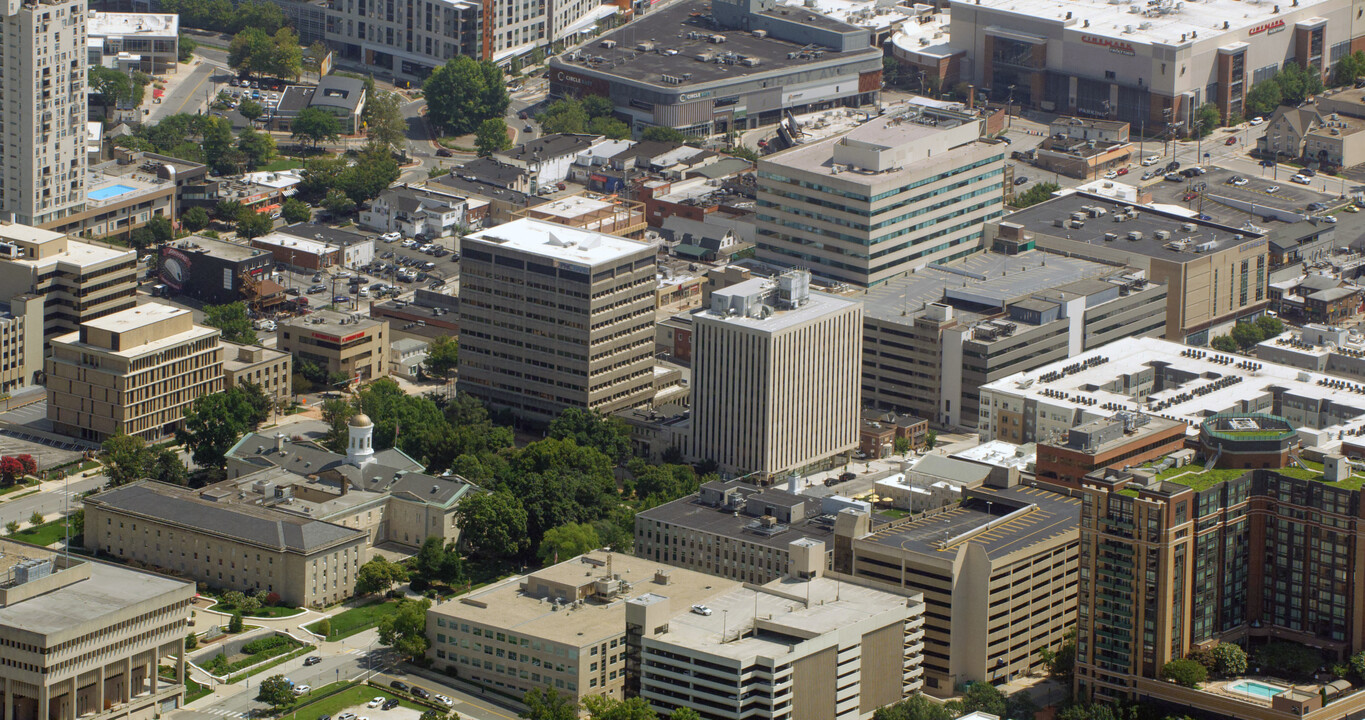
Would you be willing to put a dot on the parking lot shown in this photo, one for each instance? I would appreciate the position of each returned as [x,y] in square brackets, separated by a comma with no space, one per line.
[45,449]
[1289,196]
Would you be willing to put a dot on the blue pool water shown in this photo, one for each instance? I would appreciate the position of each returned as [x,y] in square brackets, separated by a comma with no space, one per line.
[105,193]
[1255,689]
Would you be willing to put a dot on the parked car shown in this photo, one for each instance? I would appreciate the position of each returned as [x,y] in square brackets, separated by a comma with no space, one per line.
[701,610]
[1123,171]
[375,702]
[1316,206]
[442,152]
[1172,166]
[311,660]
[1351,209]
[302,689]
[1267,163]
[389,704]
[315,289]
[444,700]
[1174,177]
[1328,218]
[1308,172]
[1239,181]
[1257,120]
[1232,140]
[389,237]
[341,300]
[1151,160]
[1021,180]
[1111,175]
[421,693]
[364,292]
[1301,179]
[1273,189]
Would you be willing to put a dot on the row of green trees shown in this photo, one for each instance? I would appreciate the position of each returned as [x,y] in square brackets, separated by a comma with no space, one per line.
[1246,335]
[225,16]
[592,114]
[254,51]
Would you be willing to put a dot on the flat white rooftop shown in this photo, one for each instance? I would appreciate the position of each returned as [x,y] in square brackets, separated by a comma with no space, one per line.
[1162,23]
[26,233]
[818,305]
[130,24]
[79,254]
[136,317]
[291,242]
[572,207]
[558,242]
[771,621]
[1081,383]
[875,14]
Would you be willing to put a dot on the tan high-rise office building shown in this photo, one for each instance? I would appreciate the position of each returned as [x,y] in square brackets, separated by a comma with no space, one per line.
[79,281]
[85,639]
[775,376]
[131,373]
[998,573]
[553,317]
[43,61]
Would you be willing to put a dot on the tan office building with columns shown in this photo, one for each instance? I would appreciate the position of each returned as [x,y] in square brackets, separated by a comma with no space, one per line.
[84,638]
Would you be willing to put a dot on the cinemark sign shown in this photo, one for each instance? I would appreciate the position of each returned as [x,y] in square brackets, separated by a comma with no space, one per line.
[335,339]
[1115,46]
[1269,28]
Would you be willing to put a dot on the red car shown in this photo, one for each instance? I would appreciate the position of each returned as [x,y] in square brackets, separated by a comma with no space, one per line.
[1123,171]
[1231,140]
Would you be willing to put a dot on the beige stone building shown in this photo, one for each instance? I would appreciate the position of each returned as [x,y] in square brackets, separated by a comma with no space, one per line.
[385,493]
[202,535]
[85,638]
[131,373]
[998,572]
[553,317]
[562,627]
[1215,275]
[21,353]
[338,342]
[775,376]
[80,281]
[271,369]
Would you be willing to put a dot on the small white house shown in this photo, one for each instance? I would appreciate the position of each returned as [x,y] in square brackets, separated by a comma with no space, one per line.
[406,357]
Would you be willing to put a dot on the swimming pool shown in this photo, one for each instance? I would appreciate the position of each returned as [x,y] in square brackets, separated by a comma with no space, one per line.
[109,191]
[1265,691]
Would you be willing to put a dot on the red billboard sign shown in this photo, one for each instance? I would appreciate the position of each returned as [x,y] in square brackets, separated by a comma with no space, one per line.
[1269,28]
[1115,46]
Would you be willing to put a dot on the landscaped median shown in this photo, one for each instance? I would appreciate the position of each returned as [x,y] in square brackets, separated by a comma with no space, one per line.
[234,663]
[355,620]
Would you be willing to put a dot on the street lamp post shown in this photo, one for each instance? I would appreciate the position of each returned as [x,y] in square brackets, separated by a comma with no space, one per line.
[1009,109]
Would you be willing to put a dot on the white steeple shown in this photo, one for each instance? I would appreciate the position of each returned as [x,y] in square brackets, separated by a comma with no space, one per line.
[360,449]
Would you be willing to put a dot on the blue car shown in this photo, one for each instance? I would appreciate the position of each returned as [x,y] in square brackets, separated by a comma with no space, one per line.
[341,299]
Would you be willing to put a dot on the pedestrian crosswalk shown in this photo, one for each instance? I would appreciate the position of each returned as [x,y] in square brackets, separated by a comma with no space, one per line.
[223,713]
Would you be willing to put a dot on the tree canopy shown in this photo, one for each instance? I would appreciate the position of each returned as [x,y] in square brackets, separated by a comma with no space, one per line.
[316,126]
[463,93]
[491,137]
[213,423]
[254,51]
[384,121]
[567,541]
[1290,86]
[232,319]
[406,629]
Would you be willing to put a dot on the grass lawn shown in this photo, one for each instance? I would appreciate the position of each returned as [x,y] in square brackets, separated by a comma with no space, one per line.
[893,512]
[358,619]
[193,690]
[281,164]
[44,534]
[16,487]
[334,705]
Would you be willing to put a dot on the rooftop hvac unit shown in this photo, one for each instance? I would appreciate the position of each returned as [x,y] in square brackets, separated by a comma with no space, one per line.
[1077,224]
[1162,234]
[1111,237]
[1188,227]
[1135,235]
[750,61]
[609,44]
[716,38]
[760,33]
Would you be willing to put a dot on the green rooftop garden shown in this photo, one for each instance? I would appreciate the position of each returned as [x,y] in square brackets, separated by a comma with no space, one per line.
[1192,477]
[1129,491]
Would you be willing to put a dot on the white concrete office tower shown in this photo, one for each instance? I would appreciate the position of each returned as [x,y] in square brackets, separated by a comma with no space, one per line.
[42,110]
[775,372]
[906,189]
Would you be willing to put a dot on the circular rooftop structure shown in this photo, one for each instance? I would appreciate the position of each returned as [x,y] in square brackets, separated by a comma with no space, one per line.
[1248,440]
[360,420]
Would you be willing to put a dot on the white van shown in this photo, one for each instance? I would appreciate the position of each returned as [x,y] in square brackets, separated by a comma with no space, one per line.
[1151,160]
